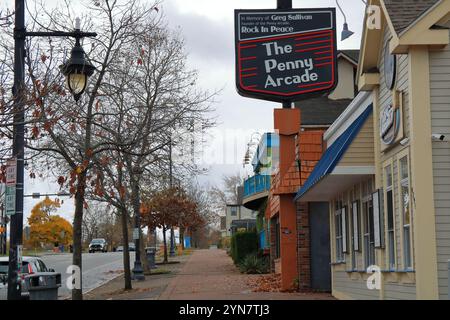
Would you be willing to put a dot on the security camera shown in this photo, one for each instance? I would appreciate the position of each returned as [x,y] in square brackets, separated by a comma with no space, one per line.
[438,137]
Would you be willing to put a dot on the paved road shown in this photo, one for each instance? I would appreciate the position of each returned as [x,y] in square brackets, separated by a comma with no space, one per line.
[98,268]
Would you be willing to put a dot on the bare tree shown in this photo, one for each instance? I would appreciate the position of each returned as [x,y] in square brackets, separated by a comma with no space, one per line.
[227,193]
[72,136]
[111,145]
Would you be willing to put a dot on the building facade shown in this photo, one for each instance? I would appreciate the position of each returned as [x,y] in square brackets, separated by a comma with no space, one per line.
[237,216]
[298,246]
[386,171]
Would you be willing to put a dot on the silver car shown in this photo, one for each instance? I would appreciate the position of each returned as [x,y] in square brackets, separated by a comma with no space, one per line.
[30,265]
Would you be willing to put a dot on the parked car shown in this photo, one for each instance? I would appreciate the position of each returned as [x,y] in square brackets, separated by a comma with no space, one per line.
[30,265]
[131,247]
[98,245]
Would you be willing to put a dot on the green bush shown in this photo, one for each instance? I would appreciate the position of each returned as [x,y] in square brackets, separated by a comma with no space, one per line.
[243,244]
[253,264]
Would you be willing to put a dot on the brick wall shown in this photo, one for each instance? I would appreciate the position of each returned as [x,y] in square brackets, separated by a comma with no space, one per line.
[273,243]
[303,247]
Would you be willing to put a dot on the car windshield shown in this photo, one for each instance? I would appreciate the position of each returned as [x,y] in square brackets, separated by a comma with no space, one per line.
[95,241]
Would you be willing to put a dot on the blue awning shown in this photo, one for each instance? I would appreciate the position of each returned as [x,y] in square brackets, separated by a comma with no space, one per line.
[334,153]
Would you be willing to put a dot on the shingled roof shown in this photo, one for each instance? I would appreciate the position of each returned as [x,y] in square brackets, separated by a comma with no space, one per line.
[403,13]
[321,110]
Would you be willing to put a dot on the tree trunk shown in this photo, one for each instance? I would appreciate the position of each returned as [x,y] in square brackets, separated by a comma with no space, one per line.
[165,244]
[126,251]
[77,293]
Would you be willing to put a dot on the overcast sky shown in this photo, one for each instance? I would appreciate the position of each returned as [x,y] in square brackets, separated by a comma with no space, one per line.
[208,28]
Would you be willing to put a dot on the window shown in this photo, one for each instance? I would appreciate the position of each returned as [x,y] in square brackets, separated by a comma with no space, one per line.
[405,202]
[41,265]
[233,211]
[390,217]
[355,232]
[338,223]
[369,239]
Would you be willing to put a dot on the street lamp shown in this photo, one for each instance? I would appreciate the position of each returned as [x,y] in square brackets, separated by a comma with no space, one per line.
[77,69]
[346,33]
[78,85]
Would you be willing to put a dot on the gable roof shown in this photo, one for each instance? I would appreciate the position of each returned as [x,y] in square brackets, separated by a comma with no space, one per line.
[404,13]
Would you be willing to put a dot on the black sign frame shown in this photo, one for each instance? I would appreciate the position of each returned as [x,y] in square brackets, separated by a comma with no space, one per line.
[313,91]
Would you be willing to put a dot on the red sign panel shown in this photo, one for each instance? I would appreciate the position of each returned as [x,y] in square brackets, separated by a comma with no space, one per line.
[285,55]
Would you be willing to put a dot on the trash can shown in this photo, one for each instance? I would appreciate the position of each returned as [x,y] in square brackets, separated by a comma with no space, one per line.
[43,285]
[150,253]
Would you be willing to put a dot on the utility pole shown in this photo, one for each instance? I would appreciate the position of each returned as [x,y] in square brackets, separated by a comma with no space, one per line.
[172,233]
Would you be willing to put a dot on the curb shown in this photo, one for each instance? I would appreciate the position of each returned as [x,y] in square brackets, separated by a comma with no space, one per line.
[91,289]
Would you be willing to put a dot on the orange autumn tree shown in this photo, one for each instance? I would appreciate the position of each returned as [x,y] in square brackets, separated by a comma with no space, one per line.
[46,228]
[171,207]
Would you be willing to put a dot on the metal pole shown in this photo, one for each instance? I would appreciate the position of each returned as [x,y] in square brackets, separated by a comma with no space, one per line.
[285,4]
[138,271]
[14,287]
[172,233]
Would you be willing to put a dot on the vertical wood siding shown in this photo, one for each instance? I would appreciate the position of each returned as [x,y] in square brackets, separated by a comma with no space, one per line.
[440,121]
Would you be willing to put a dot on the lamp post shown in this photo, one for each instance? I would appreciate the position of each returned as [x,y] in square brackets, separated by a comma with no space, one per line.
[70,68]
[172,233]
[138,271]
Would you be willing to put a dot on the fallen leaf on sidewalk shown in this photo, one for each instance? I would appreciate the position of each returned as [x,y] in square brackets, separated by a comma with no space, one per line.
[265,283]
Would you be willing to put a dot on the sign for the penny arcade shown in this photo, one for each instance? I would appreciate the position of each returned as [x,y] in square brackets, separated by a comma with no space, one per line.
[285,55]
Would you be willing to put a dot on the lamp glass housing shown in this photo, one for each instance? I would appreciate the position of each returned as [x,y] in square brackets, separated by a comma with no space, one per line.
[76,82]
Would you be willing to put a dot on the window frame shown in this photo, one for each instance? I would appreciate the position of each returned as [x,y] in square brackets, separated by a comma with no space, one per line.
[390,233]
[369,239]
[356,226]
[407,246]
[338,231]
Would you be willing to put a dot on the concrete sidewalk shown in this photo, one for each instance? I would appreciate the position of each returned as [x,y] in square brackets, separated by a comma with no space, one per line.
[211,275]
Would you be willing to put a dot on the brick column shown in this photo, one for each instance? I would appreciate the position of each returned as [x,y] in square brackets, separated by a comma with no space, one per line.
[287,123]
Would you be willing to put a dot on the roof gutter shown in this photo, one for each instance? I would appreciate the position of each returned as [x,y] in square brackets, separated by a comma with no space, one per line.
[350,111]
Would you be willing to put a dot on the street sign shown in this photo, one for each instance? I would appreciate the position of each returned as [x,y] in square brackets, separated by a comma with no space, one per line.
[10,200]
[11,172]
[19,257]
[285,55]
[136,234]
